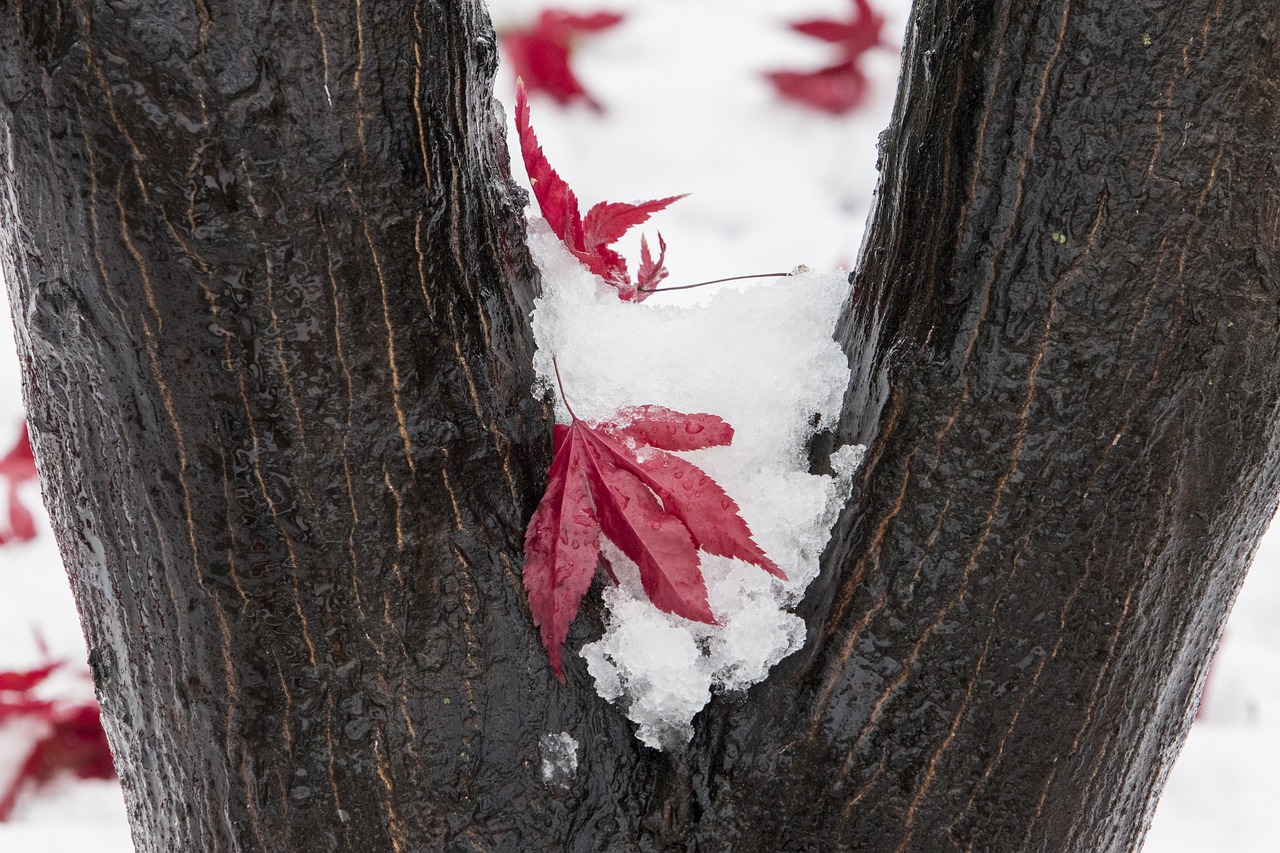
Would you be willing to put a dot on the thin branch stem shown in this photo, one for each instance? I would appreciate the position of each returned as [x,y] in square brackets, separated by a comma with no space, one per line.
[556,366]
[714,281]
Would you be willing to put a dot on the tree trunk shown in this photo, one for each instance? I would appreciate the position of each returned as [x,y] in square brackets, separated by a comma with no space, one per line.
[269,276]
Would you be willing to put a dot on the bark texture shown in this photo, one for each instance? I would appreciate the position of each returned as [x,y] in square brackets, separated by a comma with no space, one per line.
[273,288]
[270,282]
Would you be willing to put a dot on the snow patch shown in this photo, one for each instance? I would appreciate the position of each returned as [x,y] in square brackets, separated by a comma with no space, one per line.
[762,357]
[559,759]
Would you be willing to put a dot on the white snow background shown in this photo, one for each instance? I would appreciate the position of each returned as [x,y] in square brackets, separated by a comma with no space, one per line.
[773,186]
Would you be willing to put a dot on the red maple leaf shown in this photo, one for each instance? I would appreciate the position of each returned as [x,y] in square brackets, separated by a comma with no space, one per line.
[842,87]
[17,467]
[540,54]
[854,37]
[657,508]
[836,90]
[70,739]
[590,238]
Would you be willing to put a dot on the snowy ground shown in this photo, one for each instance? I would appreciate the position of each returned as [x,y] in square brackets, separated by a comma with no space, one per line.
[773,186]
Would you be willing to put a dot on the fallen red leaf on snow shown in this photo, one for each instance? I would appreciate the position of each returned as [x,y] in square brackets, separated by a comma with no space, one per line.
[540,54]
[657,508]
[842,87]
[590,239]
[17,467]
[69,736]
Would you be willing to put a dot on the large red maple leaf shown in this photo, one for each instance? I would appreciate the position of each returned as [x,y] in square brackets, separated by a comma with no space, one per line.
[590,238]
[657,508]
[540,54]
[842,87]
[69,738]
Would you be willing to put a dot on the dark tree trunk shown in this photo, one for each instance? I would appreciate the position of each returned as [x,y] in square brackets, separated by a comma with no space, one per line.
[269,277]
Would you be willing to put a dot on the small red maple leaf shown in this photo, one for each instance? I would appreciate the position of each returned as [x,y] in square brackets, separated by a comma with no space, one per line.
[659,509]
[854,37]
[838,89]
[70,736]
[590,238]
[22,681]
[17,467]
[540,54]
[842,87]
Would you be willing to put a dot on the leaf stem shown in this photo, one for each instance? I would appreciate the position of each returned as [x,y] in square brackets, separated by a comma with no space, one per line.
[713,281]
[563,396]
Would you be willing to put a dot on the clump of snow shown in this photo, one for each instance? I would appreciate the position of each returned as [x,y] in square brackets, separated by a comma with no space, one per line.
[762,357]
[559,758]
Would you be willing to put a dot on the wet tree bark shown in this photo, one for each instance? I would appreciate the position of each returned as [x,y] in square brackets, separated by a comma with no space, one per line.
[269,277]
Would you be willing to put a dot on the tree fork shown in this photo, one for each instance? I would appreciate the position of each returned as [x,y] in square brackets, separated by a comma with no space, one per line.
[269,277]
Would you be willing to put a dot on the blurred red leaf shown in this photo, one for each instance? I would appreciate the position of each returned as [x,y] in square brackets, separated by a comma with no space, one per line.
[836,90]
[19,463]
[17,467]
[24,681]
[68,735]
[854,37]
[842,87]
[540,54]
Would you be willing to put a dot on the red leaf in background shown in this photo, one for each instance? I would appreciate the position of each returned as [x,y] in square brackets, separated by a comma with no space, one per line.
[540,54]
[19,463]
[598,483]
[842,87]
[24,681]
[18,466]
[70,740]
[589,240]
[854,37]
[77,745]
[836,90]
